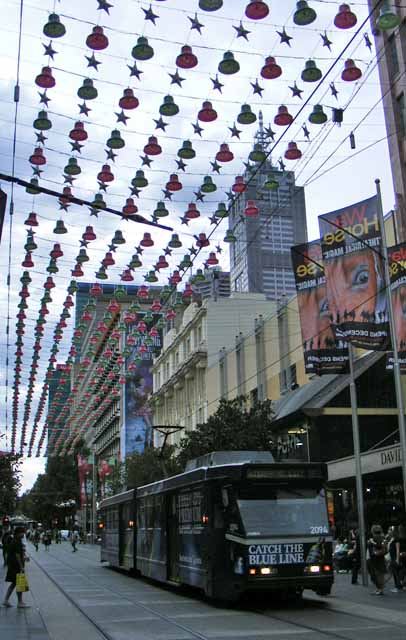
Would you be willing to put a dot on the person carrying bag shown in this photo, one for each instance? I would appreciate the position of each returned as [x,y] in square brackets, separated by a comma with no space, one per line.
[15,570]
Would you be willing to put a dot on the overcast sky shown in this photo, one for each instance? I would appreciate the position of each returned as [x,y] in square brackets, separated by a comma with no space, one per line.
[335,174]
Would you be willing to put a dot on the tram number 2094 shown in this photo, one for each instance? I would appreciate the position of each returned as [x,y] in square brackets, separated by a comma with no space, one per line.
[319,529]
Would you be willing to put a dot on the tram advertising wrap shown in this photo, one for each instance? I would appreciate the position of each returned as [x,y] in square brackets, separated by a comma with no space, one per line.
[351,243]
[323,351]
[397,267]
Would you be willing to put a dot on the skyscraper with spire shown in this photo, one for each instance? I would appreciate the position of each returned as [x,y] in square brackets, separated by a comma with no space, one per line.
[260,256]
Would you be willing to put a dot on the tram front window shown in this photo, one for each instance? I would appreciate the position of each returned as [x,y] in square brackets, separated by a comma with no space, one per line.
[287,512]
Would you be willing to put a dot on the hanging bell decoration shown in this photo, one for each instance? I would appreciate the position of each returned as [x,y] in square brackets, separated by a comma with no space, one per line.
[161,211]
[257,154]
[246,116]
[174,242]
[207,113]
[292,152]
[142,50]
[45,79]
[128,100]
[186,152]
[224,155]
[256,10]
[72,168]
[202,240]
[271,70]
[56,251]
[345,18]
[271,184]
[210,5]
[304,14]
[78,133]
[42,122]
[77,271]
[212,259]
[54,27]
[186,262]
[140,180]
[97,40]
[147,241]
[239,185]
[168,107]
[30,245]
[32,220]
[27,262]
[115,141]
[186,59]
[127,276]
[82,256]
[175,277]
[98,202]
[142,293]
[192,211]
[64,200]
[38,158]
[388,17]
[229,237]
[152,148]
[311,73]
[162,263]
[33,187]
[101,274]
[318,116]
[228,66]
[199,276]
[105,175]
[351,71]
[221,211]
[135,262]
[95,290]
[118,237]
[89,234]
[87,91]
[129,208]
[173,184]
[208,185]
[251,209]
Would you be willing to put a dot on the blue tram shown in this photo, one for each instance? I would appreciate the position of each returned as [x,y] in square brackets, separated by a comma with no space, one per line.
[233,522]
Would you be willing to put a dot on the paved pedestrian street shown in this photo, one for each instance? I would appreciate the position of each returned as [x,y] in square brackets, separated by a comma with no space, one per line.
[74,596]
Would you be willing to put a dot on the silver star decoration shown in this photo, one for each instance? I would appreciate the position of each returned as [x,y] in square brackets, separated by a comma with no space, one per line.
[150,15]
[92,62]
[167,251]
[68,179]
[76,146]
[134,71]
[196,24]
[306,132]
[110,155]
[282,165]
[176,78]
[197,129]
[139,251]
[217,84]
[192,251]
[257,89]
[40,137]
[248,165]
[230,196]
[104,5]
[43,98]
[326,41]
[121,117]
[167,194]
[94,212]
[242,32]
[84,109]
[181,165]
[269,133]
[146,160]
[368,42]
[333,90]
[296,92]
[135,191]
[199,196]
[49,51]
[36,171]
[84,243]
[235,133]
[218,248]
[285,39]
[215,166]
[102,186]
[213,219]
[112,247]
[160,124]
[184,220]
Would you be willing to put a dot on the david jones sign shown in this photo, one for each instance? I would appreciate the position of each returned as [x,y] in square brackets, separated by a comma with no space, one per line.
[291,553]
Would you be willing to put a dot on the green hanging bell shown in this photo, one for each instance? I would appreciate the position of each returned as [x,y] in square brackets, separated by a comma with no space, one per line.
[135,262]
[304,14]
[388,18]
[101,274]
[186,262]
[208,185]
[42,122]
[198,277]
[115,141]
[46,298]
[107,314]
[210,5]
[148,341]
[52,267]
[72,168]
[73,287]
[317,116]
[161,211]
[33,187]
[98,202]
[142,50]
[221,211]
[60,227]
[257,154]
[174,242]
[271,183]
[228,65]
[54,27]
[246,116]
[148,317]
[230,237]
[120,291]
[25,278]
[151,277]
[30,245]
[311,73]
[87,91]
[140,180]
[118,237]
[168,107]
[126,352]
[186,152]
[82,256]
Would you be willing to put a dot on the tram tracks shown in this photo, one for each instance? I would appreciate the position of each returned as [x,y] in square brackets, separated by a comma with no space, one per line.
[302,627]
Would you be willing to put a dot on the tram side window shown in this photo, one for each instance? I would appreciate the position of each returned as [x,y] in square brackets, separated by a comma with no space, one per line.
[141,514]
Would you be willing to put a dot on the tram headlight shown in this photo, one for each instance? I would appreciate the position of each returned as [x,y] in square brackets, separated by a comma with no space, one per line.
[265,571]
[314,568]
[252,572]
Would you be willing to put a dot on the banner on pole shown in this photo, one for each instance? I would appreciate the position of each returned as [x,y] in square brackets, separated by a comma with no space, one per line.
[397,269]
[324,352]
[351,245]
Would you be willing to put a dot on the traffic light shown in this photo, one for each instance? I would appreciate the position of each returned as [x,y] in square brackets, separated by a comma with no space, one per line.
[6,521]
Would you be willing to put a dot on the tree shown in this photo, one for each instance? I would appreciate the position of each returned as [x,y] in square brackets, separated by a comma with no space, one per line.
[231,428]
[150,465]
[9,482]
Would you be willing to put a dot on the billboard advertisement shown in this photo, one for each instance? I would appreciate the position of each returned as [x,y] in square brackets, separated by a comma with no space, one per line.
[324,352]
[397,269]
[351,244]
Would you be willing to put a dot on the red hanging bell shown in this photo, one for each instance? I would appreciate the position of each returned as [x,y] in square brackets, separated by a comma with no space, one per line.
[89,234]
[186,59]
[292,152]
[32,220]
[114,306]
[156,306]
[78,133]
[192,211]
[271,70]
[152,148]
[147,241]
[202,241]
[251,210]
[108,260]
[45,79]
[188,291]
[95,290]
[38,157]
[345,18]
[141,326]
[162,263]
[175,277]
[207,113]
[351,72]
[283,117]
[170,315]
[68,302]
[256,10]
[143,291]
[239,185]
[128,100]
[97,40]
[224,155]
[64,199]
[56,252]
[212,259]
[154,333]
[173,184]
[105,175]
[77,271]
[129,207]
[49,284]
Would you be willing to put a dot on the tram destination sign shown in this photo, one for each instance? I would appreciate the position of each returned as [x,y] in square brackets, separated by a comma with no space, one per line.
[281,553]
[273,473]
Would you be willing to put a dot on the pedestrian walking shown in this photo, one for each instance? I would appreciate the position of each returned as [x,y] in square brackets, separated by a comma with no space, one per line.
[376,551]
[354,555]
[74,540]
[16,559]
[401,556]
[6,539]
[36,539]
[46,540]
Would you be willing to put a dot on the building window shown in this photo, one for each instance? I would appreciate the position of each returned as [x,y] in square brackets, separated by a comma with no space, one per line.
[293,377]
[393,55]
[400,105]
[282,381]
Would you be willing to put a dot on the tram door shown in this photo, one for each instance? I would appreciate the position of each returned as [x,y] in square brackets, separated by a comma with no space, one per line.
[173,538]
